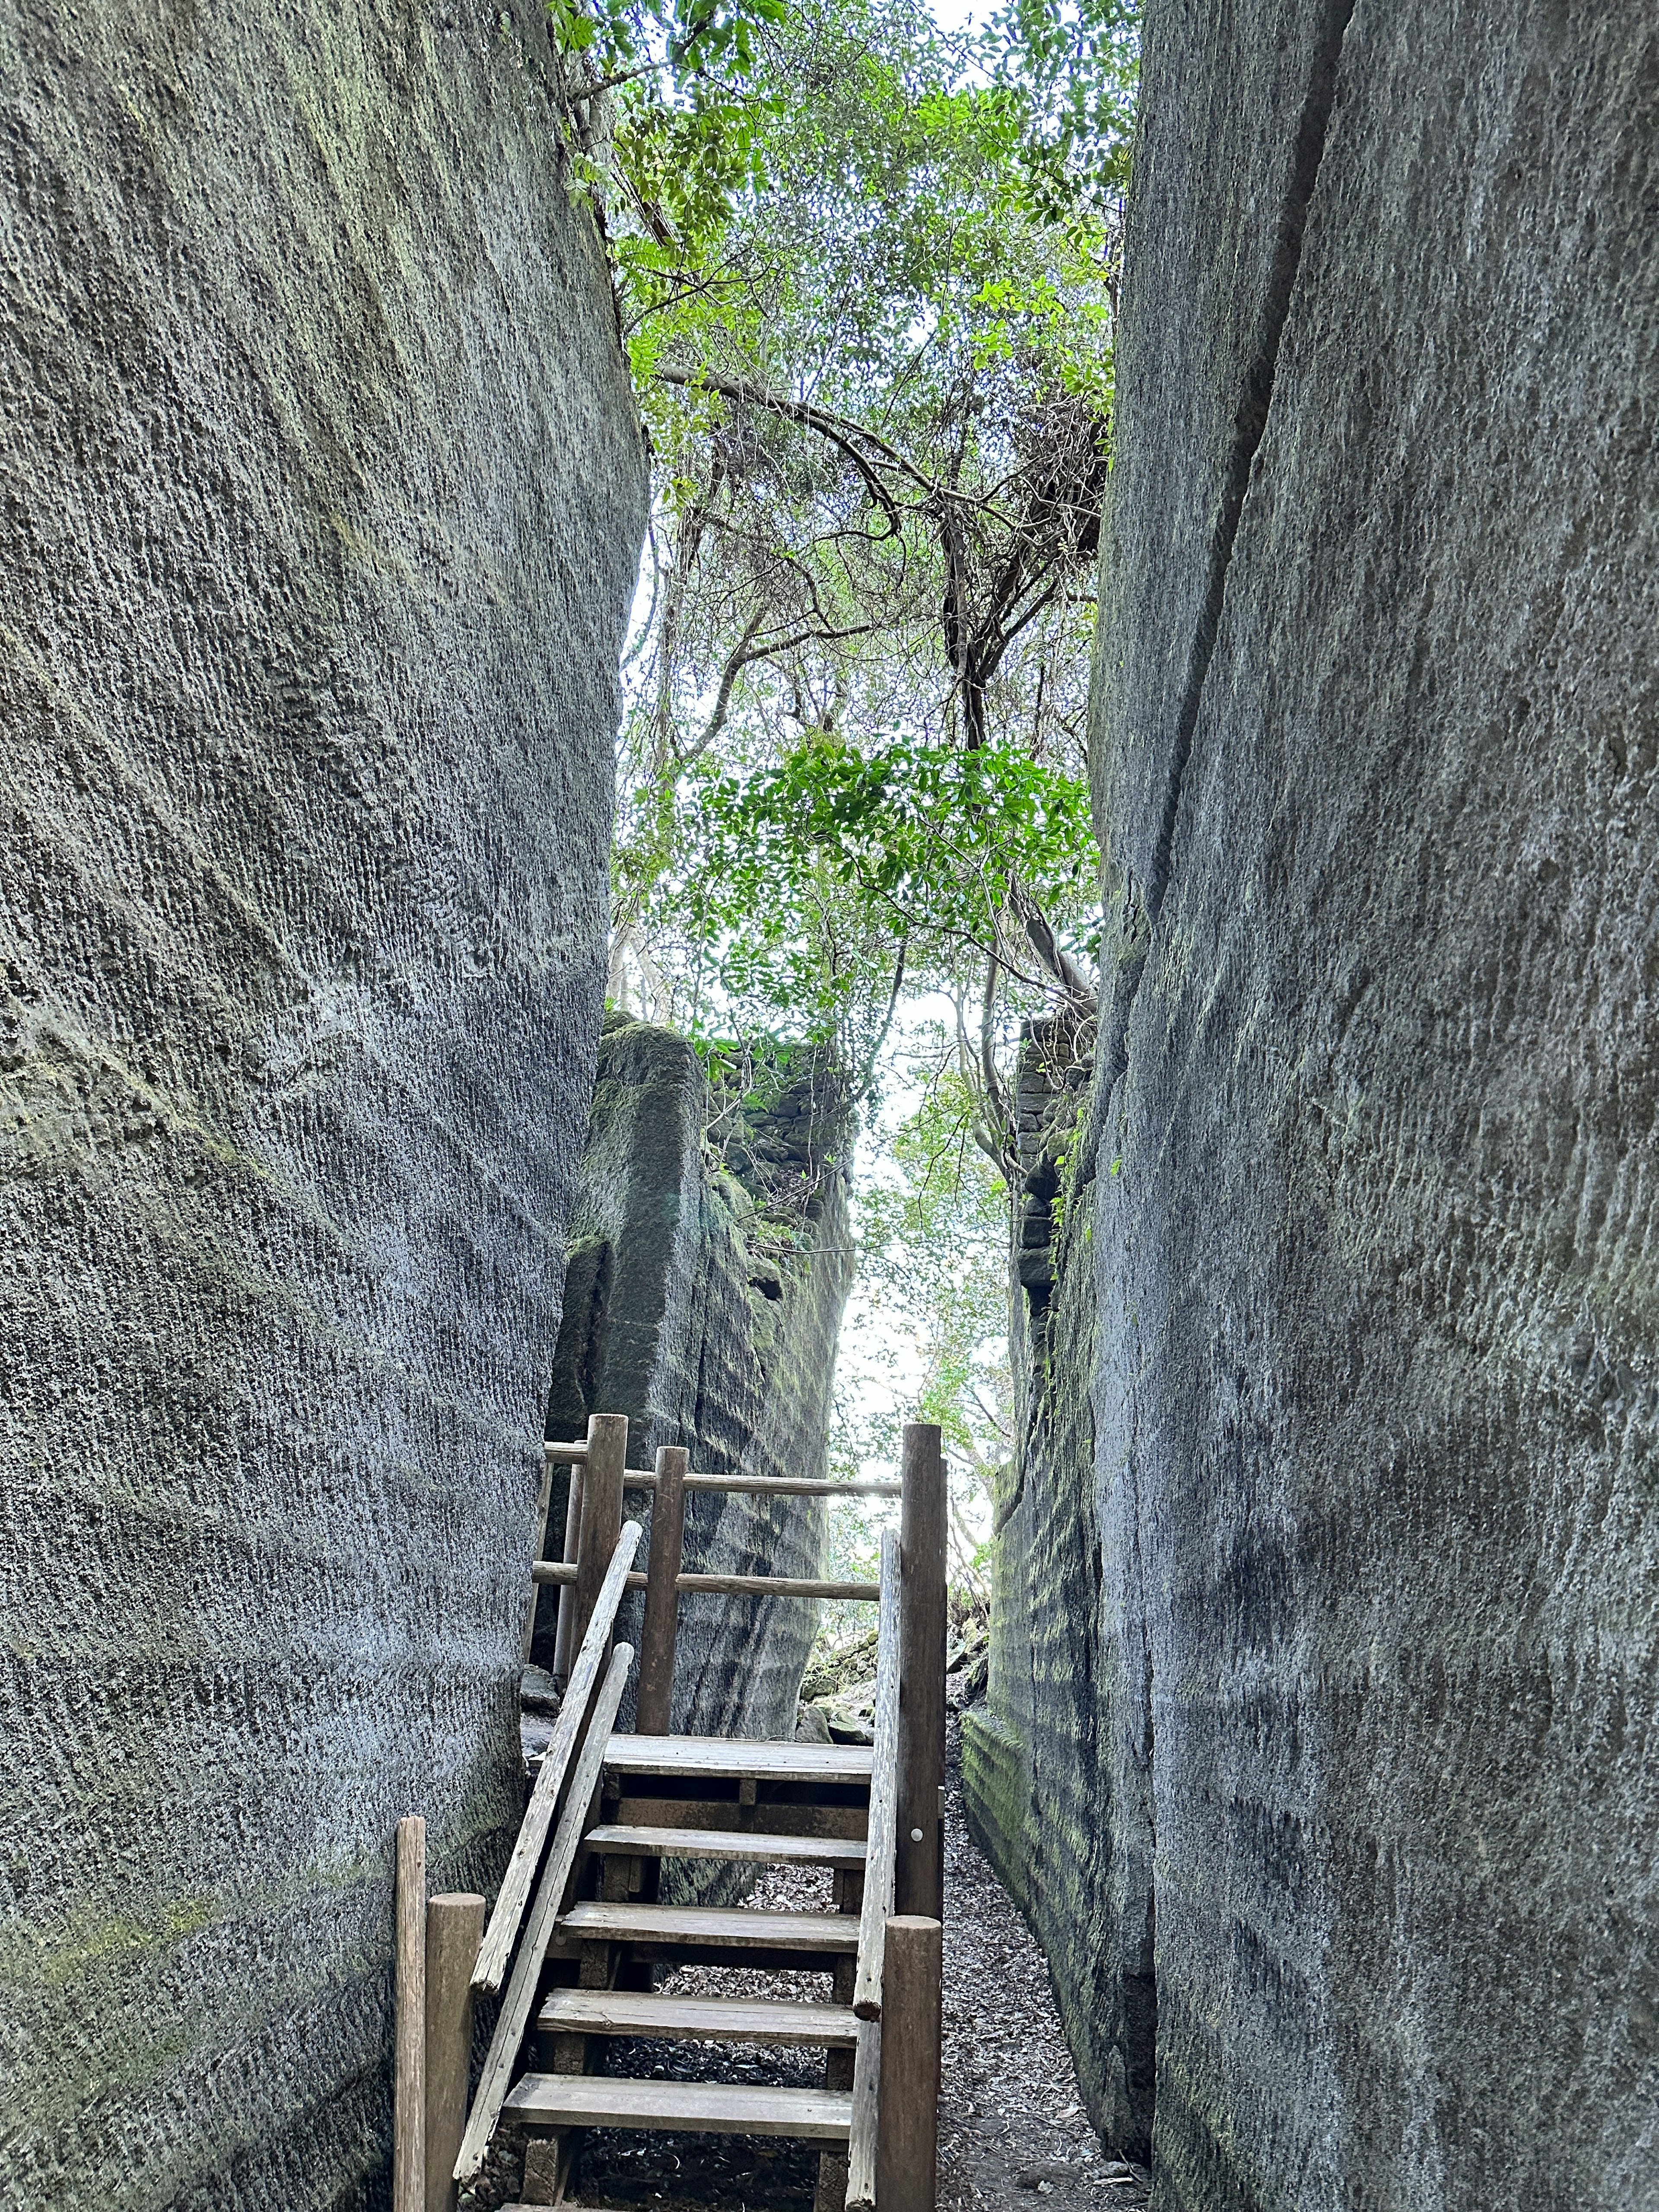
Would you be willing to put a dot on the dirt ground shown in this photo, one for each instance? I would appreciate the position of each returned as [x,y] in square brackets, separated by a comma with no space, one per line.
[1012,2132]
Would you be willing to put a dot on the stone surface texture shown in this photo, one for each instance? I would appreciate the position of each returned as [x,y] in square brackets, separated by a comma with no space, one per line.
[322,495]
[710,1259]
[1338,1507]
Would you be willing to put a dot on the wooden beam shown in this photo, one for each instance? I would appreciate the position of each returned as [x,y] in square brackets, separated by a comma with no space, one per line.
[776,1586]
[497,1948]
[789,1485]
[880,1850]
[864,2119]
[454,1929]
[784,1485]
[538,1928]
[906,2136]
[536,1550]
[602,1498]
[724,1815]
[560,1571]
[408,2076]
[924,1525]
[704,1926]
[564,1633]
[784,1849]
[565,1574]
[662,1605]
[746,1758]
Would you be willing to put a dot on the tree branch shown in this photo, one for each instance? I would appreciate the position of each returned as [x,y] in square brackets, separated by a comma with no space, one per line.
[840,432]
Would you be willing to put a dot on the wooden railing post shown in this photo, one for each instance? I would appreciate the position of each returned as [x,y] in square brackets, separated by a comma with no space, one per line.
[602,1511]
[454,1930]
[564,1634]
[409,2072]
[544,1499]
[919,1886]
[906,2128]
[655,1702]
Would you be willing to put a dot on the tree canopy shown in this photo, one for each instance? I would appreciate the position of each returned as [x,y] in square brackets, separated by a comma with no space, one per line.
[865,272]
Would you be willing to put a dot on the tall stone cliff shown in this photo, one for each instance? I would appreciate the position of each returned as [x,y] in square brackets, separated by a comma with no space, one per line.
[705,1302]
[322,501]
[1333,1792]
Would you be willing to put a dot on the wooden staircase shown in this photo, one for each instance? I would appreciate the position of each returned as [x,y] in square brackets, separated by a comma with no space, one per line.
[581,1932]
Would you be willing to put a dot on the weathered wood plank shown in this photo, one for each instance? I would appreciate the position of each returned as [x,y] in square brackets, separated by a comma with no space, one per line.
[776,1586]
[849,1822]
[542,1503]
[661,1633]
[561,1572]
[565,1574]
[497,1946]
[883,1792]
[786,1486]
[715,1843]
[538,1928]
[711,1926]
[409,2074]
[862,2127]
[790,1485]
[564,1625]
[710,2020]
[576,2100]
[740,1757]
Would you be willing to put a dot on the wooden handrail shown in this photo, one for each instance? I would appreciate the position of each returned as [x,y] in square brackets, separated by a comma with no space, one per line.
[792,1485]
[776,1586]
[561,1571]
[497,1946]
[497,2076]
[881,1848]
[783,1485]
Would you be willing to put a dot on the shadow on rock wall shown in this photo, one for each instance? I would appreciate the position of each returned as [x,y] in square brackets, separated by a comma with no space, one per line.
[323,499]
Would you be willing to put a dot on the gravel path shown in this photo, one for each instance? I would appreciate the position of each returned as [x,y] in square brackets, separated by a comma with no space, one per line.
[1013,2132]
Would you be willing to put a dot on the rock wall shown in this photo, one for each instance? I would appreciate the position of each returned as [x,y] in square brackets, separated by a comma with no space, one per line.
[1356,1530]
[323,494]
[705,1303]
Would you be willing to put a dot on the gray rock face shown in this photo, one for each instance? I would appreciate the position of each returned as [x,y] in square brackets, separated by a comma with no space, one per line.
[705,1305]
[322,501]
[1357,1538]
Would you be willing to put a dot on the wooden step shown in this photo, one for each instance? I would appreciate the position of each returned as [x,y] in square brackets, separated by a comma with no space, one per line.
[767,1816]
[709,2019]
[706,1756]
[615,1840]
[722,2108]
[708,1927]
